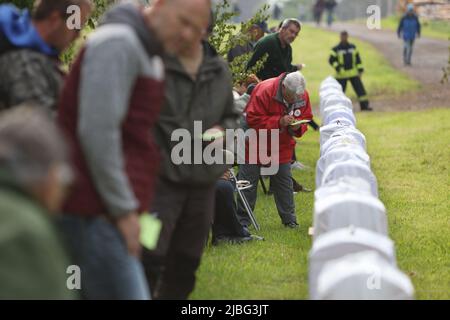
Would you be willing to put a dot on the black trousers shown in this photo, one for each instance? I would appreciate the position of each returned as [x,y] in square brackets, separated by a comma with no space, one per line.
[226,222]
[186,214]
[360,91]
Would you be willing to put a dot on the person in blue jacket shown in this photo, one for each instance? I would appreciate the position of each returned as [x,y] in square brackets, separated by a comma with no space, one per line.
[409,27]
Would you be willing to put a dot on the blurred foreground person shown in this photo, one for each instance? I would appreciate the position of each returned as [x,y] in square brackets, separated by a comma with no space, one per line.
[33,178]
[29,50]
[109,105]
[198,88]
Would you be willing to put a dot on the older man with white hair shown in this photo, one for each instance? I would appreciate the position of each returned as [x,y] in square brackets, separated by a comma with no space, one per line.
[276,104]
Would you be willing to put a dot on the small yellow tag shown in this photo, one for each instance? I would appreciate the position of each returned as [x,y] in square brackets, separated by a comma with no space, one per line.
[150,230]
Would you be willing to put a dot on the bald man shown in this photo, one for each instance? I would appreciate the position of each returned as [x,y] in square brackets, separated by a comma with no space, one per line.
[108,110]
[198,88]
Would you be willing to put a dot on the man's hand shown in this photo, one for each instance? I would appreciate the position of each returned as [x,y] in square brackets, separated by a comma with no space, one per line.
[300,66]
[286,120]
[241,89]
[130,230]
[215,134]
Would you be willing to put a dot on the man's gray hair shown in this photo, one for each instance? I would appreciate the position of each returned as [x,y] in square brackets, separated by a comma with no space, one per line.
[286,23]
[30,144]
[295,82]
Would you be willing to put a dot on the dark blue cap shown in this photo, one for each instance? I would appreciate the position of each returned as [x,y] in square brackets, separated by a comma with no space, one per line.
[263,25]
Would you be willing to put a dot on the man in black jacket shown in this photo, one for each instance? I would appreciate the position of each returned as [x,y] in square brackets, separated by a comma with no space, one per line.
[345,59]
[198,89]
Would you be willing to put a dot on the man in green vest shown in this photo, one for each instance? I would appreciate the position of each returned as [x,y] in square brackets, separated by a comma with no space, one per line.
[345,59]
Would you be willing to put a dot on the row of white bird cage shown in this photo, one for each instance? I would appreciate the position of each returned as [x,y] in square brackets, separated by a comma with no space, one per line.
[352,256]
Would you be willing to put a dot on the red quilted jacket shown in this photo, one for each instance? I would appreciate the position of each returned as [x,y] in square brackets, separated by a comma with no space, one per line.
[264,111]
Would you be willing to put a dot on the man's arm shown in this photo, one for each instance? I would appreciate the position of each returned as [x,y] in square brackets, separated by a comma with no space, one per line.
[306,115]
[260,50]
[235,52]
[258,117]
[359,64]
[107,76]
[240,103]
[293,67]
[419,27]
[333,60]
[400,27]
[231,115]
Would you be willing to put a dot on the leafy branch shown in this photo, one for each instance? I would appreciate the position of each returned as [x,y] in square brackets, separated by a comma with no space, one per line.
[226,36]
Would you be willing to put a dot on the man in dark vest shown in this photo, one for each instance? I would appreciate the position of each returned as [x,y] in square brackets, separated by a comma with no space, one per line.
[198,90]
[109,105]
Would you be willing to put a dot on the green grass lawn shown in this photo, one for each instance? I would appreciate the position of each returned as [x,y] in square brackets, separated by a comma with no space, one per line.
[410,156]
[411,161]
[313,48]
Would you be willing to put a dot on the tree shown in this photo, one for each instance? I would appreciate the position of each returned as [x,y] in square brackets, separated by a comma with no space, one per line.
[100,6]
[227,35]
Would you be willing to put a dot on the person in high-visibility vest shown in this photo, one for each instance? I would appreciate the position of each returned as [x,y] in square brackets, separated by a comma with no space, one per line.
[345,59]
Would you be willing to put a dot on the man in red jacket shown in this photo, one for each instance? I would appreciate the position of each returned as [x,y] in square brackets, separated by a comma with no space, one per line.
[276,104]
